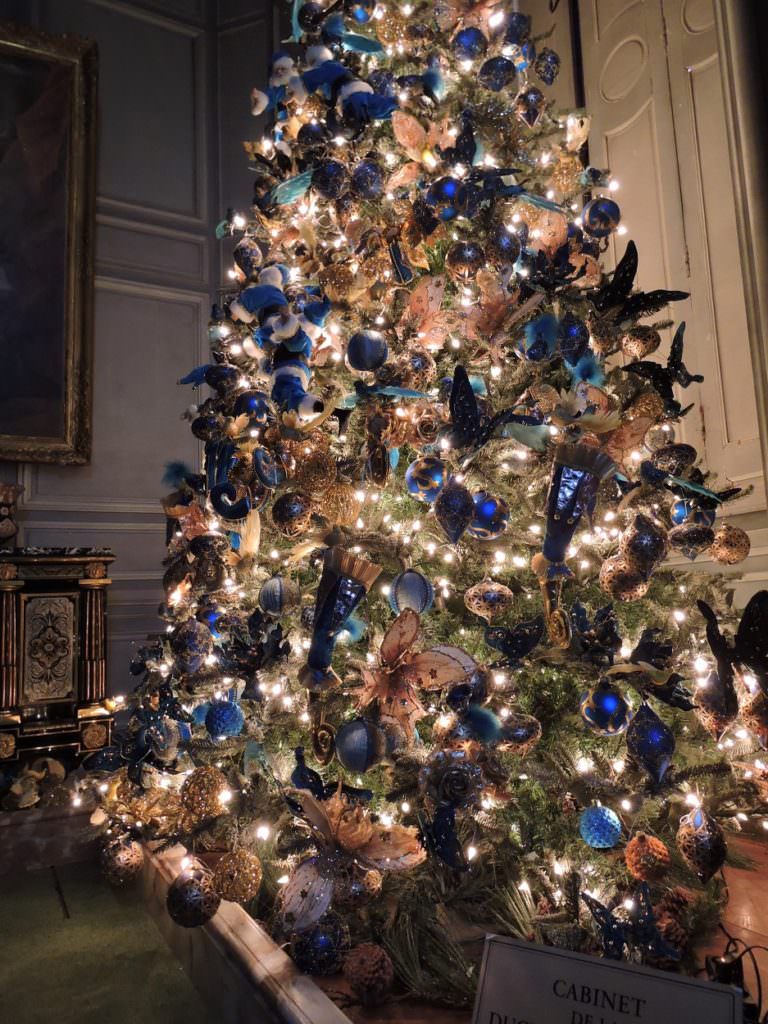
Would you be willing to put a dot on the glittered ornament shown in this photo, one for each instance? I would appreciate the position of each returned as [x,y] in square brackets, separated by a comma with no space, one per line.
[647,858]
[310,15]
[367,180]
[600,827]
[640,341]
[121,861]
[691,538]
[502,246]
[277,595]
[393,30]
[496,73]
[674,458]
[248,256]
[529,106]
[202,790]
[367,350]
[488,599]
[341,504]
[518,28]
[454,509]
[425,478]
[600,217]
[192,899]
[360,745]
[621,581]
[224,718]
[605,709]
[520,733]
[329,178]
[701,841]
[491,516]
[565,174]
[644,544]
[464,259]
[650,742]
[411,589]
[754,716]
[730,546]
[370,974]
[322,948]
[469,43]
[315,472]
[547,65]
[648,405]
[191,644]
[237,876]
[291,513]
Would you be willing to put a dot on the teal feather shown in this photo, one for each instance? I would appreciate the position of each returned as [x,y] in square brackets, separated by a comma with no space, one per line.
[535,436]
[289,191]
[360,44]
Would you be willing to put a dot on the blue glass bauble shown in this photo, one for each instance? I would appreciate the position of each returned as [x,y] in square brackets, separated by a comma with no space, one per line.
[502,245]
[604,709]
[496,73]
[600,217]
[254,404]
[651,742]
[367,350]
[360,11]
[474,690]
[268,469]
[277,595]
[310,15]
[248,256]
[329,179]
[491,516]
[313,135]
[469,44]
[191,644]
[600,827]
[410,589]
[443,194]
[360,745]
[199,713]
[454,510]
[684,509]
[547,65]
[224,718]
[574,338]
[367,180]
[518,28]
[425,478]
[529,106]
[322,948]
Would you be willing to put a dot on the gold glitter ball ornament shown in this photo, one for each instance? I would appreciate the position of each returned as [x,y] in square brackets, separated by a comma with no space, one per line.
[621,581]
[648,405]
[121,861]
[237,876]
[488,599]
[315,471]
[340,504]
[730,546]
[392,30]
[566,174]
[201,792]
[640,341]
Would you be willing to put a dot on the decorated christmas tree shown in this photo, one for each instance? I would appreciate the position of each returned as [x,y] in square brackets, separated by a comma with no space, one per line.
[426,672]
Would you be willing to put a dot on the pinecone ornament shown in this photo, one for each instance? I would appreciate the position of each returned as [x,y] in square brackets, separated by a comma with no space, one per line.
[370,973]
[671,912]
[647,858]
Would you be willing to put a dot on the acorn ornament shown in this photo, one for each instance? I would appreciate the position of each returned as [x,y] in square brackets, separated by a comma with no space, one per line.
[647,858]
[701,841]
[730,546]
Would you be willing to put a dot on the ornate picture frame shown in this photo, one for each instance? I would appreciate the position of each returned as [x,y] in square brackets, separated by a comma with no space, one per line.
[48,175]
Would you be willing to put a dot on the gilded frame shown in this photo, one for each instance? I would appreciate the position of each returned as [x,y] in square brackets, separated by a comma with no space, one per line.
[77,57]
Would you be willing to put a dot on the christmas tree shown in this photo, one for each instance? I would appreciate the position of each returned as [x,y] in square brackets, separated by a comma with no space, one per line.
[425,673]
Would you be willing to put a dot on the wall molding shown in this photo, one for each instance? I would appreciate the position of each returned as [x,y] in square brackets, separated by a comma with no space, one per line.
[107,264]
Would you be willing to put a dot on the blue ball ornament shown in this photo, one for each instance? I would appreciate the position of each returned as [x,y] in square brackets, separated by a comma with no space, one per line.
[518,28]
[322,948]
[600,217]
[425,478]
[469,44]
[496,73]
[367,350]
[684,509]
[600,827]
[360,745]
[310,15]
[547,65]
[491,516]
[360,11]
[367,180]
[224,718]
[410,589]
[278,594]
[255,405]
[329,179]
[604,709]
[443,195]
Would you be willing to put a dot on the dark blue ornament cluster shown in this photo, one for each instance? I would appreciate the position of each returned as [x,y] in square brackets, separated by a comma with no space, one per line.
[322,948]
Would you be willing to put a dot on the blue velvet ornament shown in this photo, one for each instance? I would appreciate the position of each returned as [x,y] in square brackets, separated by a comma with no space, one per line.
[443,195]
[454,510]
[411,589]
[360,745]
[604,709]
[367,180]
[651,742]
[600,217]
[322,948]
[497,73]
[600,827]
[224,718]
[425,478]
[278,594]
[367,350]
[360,11]
[491,516]
[518,28]
[547,65]
[329,179]
[469,44]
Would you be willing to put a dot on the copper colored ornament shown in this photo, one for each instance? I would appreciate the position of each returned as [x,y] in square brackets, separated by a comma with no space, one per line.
[731,545]
[315,472]
[690,539]
[340,504]
[291,513]
[520,733]
[647,858]
[369,973]
[201,791]
[393,29]
[339,282]
[621,581]
[488,599]
[426,423]
[644,544]
[121,861]
[648,405]
[566,174]
[754,715]
[701,841]
[639,342]
[603,337]
[237,876]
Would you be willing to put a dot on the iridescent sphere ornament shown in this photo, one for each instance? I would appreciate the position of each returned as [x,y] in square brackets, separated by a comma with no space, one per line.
[223,719]
[367,179]
[367,350]
[322,948]
[496,73]
[600,217]
[121,861]
[360,745]
[502,246]
[411,589]
[425,478]
[488,599]
[491,517]
[600,827]
[605,709]
[730,546]
[237,876]
[469,43]
[329,178]
[464,259]
[291,514]
[192,900]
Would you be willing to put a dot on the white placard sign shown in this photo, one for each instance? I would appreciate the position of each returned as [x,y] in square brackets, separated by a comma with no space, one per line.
[522,983]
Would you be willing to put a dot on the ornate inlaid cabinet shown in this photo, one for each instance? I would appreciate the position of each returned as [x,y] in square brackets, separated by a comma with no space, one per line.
[53,630]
